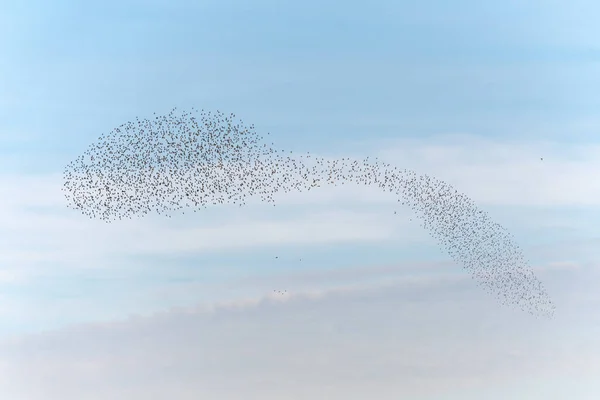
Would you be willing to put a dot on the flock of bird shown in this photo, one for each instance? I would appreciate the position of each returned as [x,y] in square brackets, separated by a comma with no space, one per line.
[180,162]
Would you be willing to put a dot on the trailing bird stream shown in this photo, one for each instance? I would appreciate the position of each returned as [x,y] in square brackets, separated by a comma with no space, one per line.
[179,161]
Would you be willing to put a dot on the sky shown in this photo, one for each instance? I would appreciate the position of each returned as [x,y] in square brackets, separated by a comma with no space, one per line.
[473,93]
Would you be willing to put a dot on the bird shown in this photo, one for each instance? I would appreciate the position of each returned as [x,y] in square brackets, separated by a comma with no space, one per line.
[198,159]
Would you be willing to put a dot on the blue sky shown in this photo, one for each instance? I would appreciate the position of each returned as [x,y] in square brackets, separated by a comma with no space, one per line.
[473,93]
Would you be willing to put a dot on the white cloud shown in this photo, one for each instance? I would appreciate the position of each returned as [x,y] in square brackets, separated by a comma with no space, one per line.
[436,336]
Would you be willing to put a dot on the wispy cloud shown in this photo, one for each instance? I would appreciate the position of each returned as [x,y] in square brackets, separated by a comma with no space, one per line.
[507,173]
[42,240]
[497,173]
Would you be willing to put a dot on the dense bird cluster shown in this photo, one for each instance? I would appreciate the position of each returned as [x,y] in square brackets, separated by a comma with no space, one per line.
[178,161]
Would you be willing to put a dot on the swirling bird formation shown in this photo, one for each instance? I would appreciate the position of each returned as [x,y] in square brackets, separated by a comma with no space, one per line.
[178,161]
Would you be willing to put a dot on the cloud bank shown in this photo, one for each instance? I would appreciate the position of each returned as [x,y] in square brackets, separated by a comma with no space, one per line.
[413,338]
